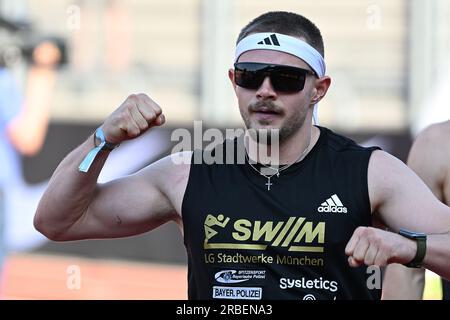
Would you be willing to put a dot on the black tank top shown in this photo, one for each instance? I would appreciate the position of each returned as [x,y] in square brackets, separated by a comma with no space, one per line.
[246,242]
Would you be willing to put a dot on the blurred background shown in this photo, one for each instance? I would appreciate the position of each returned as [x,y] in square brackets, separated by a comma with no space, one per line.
[74,62]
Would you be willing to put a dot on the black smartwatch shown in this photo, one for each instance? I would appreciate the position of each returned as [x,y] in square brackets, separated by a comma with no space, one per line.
[421,241]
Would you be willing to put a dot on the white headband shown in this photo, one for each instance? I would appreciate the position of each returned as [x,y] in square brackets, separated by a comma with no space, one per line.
[287,44]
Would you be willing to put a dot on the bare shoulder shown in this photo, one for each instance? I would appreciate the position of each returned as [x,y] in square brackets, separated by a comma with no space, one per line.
[429,156]
[385,173]
[436,173]
[381,160]
[439,137]
[434,138]
[440,128]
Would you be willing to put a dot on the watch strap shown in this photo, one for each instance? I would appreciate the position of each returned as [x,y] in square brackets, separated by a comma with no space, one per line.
[420,253]
[421,242]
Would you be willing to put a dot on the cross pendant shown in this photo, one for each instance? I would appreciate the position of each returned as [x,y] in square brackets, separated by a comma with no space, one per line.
[268,184]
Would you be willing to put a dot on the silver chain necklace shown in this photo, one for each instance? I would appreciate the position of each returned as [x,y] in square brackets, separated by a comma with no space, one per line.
[277,173]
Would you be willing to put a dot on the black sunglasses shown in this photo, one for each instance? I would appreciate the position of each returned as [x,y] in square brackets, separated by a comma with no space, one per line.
[250,75]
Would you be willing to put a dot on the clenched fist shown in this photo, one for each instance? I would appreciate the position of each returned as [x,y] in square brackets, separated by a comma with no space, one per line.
[136,115]
[371,246]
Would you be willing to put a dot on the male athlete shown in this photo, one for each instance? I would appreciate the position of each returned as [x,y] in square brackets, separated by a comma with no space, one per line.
[296,229]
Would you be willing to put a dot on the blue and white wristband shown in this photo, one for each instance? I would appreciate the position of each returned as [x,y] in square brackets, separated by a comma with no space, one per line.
[103,145]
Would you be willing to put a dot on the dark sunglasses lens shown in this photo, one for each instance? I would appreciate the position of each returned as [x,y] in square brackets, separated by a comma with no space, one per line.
[283,78]
[248,79]
[285,81]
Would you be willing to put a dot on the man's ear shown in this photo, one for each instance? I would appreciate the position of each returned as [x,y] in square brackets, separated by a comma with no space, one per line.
[231,77]
[321,88]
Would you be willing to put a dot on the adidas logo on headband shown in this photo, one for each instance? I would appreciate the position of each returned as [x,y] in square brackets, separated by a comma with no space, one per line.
[271,40]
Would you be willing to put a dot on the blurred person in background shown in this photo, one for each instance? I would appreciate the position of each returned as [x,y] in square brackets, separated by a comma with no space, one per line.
[320,176]
[24,121]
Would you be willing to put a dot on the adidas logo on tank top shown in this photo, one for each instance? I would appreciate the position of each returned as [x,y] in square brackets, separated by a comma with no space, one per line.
[332,204]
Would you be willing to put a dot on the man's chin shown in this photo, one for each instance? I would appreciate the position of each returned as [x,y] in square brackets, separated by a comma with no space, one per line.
[263,128]
[264,135]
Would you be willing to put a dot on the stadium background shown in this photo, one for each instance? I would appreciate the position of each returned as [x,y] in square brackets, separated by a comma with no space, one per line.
[386,58]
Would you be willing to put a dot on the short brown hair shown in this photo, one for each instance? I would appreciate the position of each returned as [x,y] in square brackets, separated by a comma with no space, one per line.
[288,23]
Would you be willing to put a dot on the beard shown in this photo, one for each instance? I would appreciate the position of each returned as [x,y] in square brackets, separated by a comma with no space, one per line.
[272,135]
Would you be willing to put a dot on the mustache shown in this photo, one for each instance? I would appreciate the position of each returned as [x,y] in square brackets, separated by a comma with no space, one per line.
[265,106]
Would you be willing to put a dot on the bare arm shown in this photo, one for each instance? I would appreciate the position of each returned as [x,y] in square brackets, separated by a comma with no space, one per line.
[75,207]
[28,130]
[427,158]
[403,201]
[402,283]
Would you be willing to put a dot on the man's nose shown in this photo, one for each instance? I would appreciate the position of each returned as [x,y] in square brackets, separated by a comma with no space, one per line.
[266,90]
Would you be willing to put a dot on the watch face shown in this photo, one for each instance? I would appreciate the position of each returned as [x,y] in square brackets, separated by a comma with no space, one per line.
[420,235]
[412,235]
